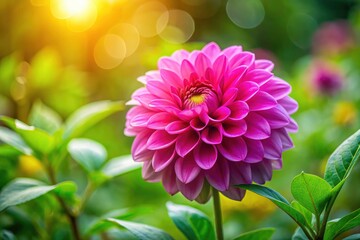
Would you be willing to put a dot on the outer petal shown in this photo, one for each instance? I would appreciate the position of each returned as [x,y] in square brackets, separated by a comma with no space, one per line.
[186,169]
[187,142]
[191,190]
[261,171]
[257,127]
[149,174]
[169,180]
[233,149]
[162,158]
[219,175]
[255,151]
[205,155]
[160,139]
[234,193]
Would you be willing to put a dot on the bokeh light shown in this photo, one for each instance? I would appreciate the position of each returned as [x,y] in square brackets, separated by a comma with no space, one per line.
[179,28]
[109,51]
[245,13]
[80,14]
[146,18]
[130,36]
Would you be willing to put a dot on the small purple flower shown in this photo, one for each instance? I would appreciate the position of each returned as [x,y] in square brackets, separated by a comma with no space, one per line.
[213,116]
[326,78]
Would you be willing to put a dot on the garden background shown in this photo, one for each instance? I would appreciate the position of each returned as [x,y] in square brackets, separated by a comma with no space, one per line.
[67,53]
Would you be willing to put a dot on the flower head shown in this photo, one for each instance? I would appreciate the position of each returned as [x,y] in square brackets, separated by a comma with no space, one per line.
[213,116]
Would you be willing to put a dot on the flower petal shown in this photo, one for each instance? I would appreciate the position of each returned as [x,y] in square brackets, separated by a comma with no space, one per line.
[234,128]
[233,149]
[187,69]
[160,120]
[220,114]
[149,174]
[219,175]
[234,193]
[186,169]
[139,149]
[247,90]
[277,88]
[205,155]
[272,147]
[264,64]
[242,58]
[261,101]
[255,151]
[229,96]
[239,110]
[160,139]
[191,190]
[177,127]
[187,142]
[219,67]
[289,104]
[211,135]
[211,50]
[169,180]
[170,77]
[240,173]
[258,76]
[277,117]
[257,127]
[261,171]
[202,62]
[162,158]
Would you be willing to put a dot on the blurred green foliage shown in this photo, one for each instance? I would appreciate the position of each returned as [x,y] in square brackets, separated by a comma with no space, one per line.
[43,60]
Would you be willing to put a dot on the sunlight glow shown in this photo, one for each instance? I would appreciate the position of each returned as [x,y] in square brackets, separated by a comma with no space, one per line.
[64,9]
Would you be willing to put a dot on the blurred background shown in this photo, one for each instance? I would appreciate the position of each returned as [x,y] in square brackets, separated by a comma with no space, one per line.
[67,53]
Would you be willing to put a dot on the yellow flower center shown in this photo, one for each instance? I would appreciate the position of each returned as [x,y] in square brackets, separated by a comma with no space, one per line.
[197,99]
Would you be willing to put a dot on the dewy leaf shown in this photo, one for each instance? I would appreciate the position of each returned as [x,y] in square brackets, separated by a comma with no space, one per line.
[88,153]
[88,115]
[299,234]
[142,231]
[311,191]
[120,165]
[338,226]
[353,237]
[44,118]
[37,139]
[194,224]
[13,139]
[22,190]
[343,159]
[278,200]
[259,234]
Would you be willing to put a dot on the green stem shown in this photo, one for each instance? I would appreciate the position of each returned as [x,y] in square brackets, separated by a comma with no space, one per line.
[70,215]
[326,215]
[217,212]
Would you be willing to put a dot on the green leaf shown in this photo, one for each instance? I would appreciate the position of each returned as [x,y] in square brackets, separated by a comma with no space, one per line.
[88,153]
[353,237]
[120,165]
[7,235]
[13,139]
[335,227]
[194,224]
[37,139]
[99,225]
[299,235]
[22,190]
[89,115]
[142,231]
[44,118]
[259,234]
[343,159]
[278,200]
[8,72]
[45,68]
[306,213]
[311,191]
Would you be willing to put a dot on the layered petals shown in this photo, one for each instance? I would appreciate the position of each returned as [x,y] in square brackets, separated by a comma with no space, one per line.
[210,117]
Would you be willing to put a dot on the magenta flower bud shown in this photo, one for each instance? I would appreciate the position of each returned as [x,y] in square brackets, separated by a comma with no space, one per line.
[217,117]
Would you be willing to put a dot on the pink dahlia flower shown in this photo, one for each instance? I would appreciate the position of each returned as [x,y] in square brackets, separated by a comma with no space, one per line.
[210,117]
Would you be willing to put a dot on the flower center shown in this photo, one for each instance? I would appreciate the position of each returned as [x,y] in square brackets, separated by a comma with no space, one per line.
[197,98]
[198,93]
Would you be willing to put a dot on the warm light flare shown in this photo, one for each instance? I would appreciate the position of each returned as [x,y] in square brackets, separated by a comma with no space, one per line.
[63,9]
